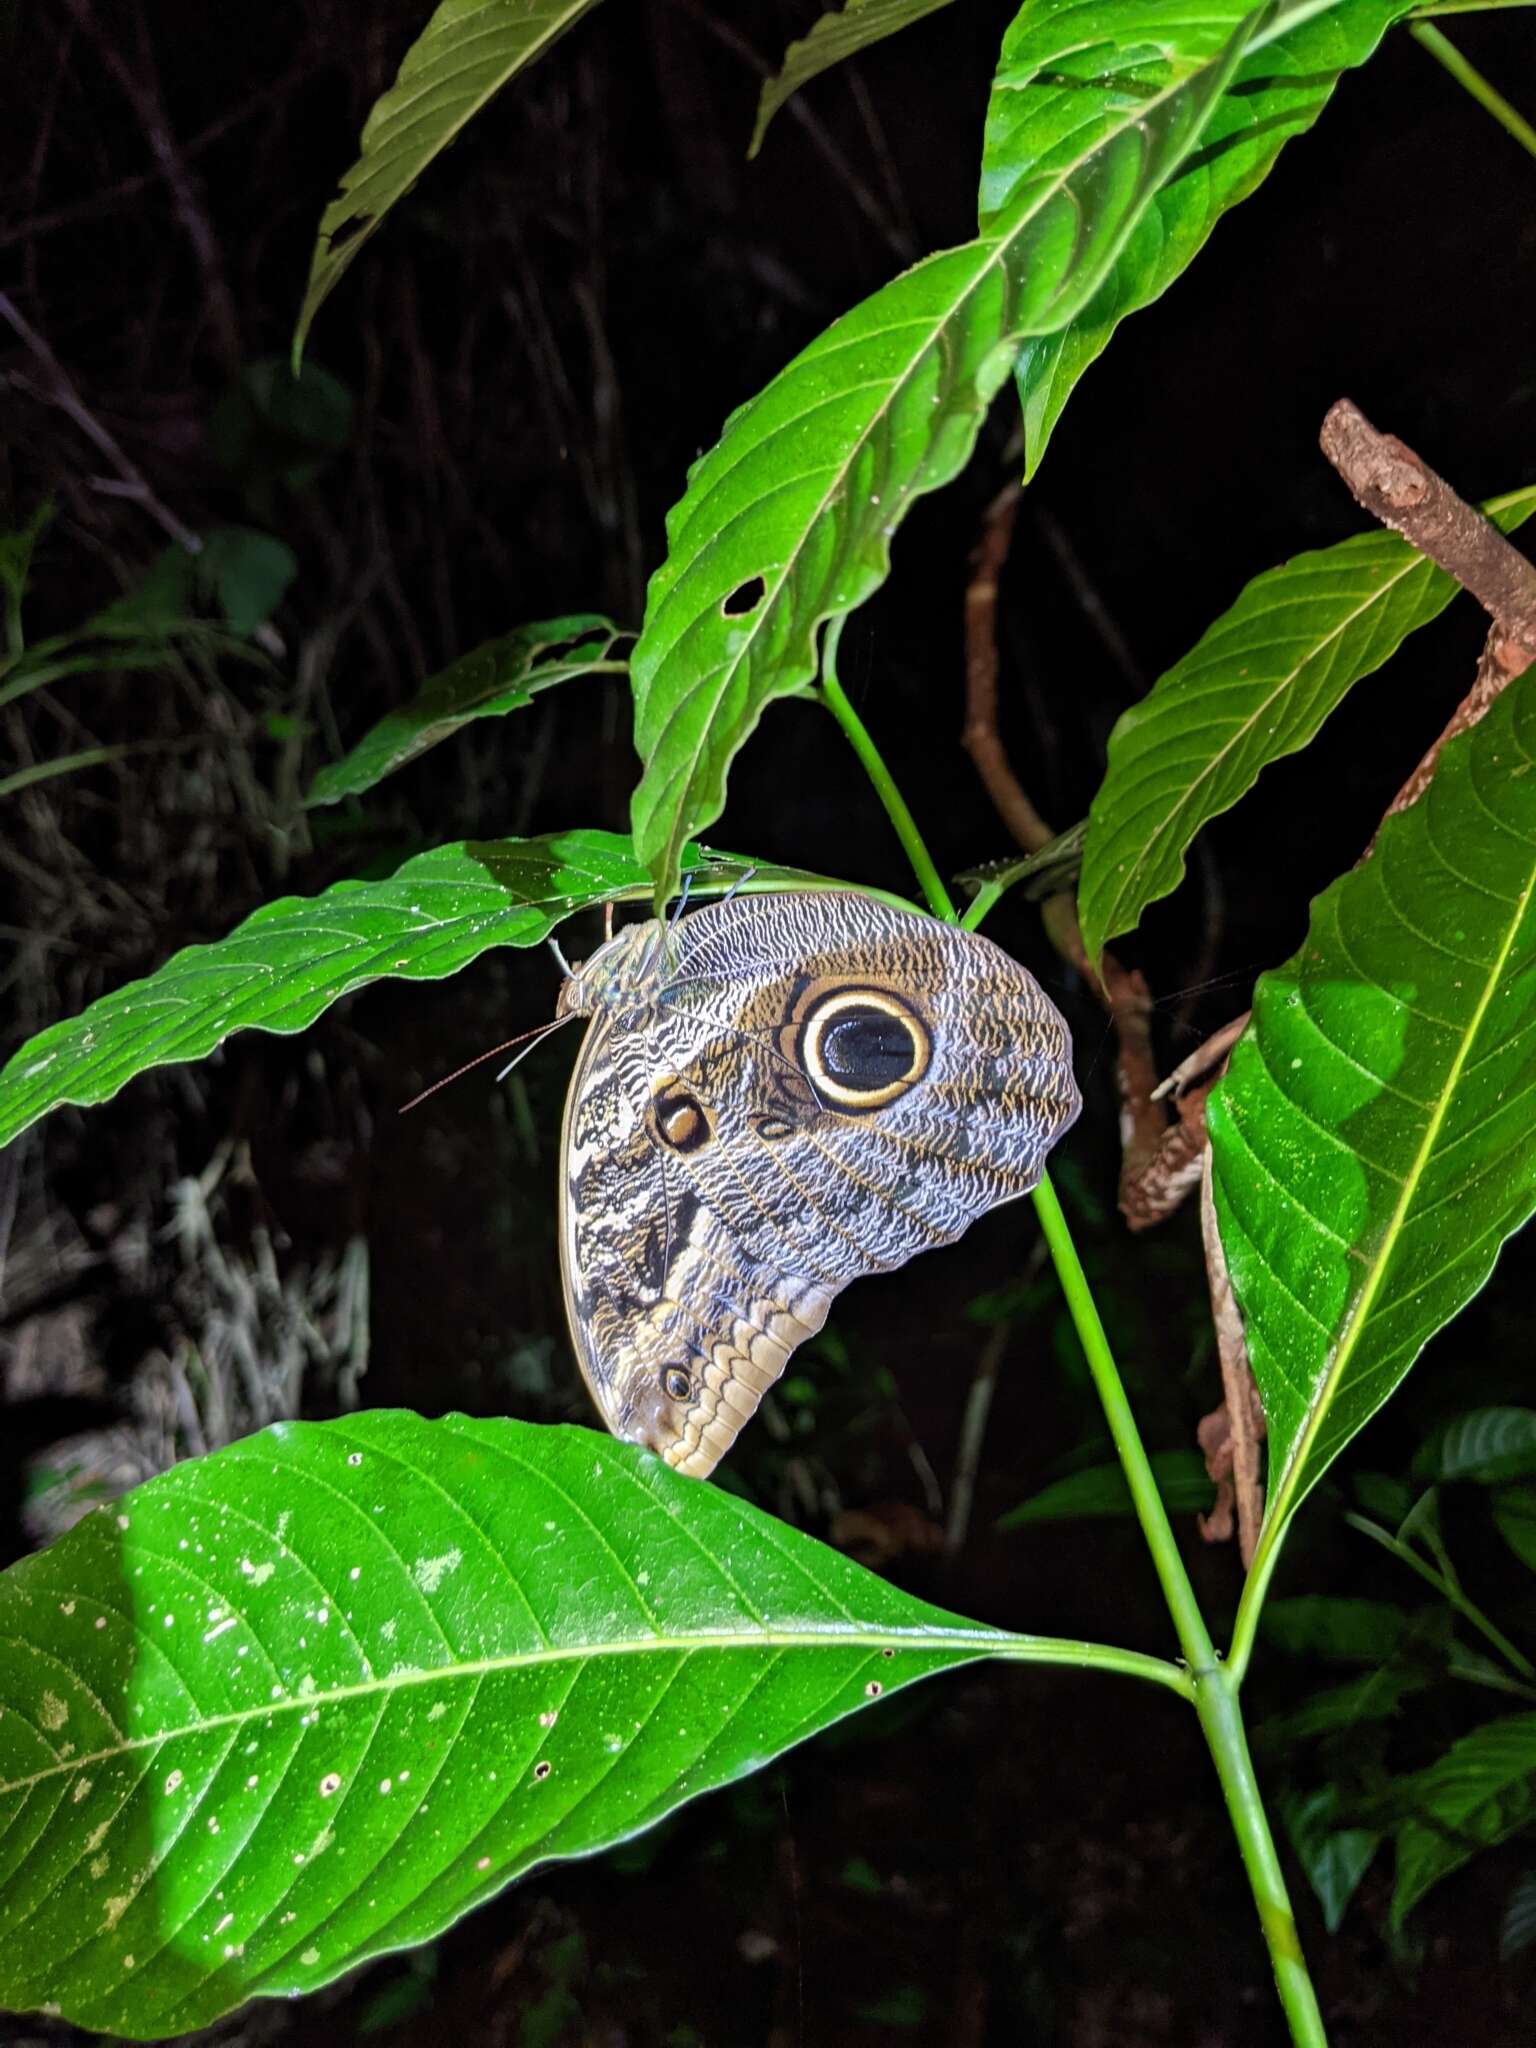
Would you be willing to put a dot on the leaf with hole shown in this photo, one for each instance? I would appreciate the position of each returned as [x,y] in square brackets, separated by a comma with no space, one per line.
[463,57]
[290,960]
[1374,1141]
[1482,1791]
[841,33]
[1256,686]
[499,676]
[787,521]
[313,1698]
[1286,78]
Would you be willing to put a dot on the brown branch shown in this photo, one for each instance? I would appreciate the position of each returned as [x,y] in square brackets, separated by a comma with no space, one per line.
[1230,1435]
[980,736]
[1401,490]
[1123,993]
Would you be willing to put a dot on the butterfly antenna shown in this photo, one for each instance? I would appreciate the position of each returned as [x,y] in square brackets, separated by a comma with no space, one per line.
[539,1031]
[682,901]
[739,884]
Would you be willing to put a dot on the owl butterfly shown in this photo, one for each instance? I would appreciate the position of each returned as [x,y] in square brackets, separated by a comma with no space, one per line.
[777,1094]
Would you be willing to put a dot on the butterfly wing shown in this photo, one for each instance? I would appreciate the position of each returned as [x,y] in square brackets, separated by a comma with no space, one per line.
[823,1087]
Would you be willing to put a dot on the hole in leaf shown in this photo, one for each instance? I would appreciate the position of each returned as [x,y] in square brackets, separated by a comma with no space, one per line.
[348,231]
[745,598]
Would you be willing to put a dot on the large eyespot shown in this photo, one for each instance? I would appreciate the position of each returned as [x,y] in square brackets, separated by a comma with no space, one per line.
[678,1119]
[863,1047]
[676,1384]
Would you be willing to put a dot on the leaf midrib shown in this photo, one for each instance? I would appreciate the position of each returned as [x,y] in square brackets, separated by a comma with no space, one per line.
[994,255]
[832,1638]
[1359,1315]
[1285,682]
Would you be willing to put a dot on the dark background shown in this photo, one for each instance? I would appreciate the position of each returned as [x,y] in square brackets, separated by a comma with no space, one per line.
[537,344]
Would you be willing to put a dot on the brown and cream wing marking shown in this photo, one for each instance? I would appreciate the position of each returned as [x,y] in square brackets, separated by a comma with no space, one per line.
[774,1097]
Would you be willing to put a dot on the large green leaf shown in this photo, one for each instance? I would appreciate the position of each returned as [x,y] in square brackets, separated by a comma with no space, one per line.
[499,676]
[1375,1138]
[463,57]
[292,959]
[1257,685]
[787,521]
[314,1697]
[1482,1791]
[1283,83]
[840,34]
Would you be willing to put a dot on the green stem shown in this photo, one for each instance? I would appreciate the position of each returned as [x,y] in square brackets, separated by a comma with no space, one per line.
[1448,1591]
[1211,1686]
[836,701]
[1102,1657]
[1188,1621]
[1466,75]
[1215,1687]
[1221,1718]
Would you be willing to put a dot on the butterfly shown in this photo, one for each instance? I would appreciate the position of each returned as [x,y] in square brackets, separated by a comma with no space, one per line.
[777,1094]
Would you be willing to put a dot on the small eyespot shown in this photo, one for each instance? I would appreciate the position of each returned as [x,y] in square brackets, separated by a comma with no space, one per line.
[676,1383]
[769,1126]
[678,1119]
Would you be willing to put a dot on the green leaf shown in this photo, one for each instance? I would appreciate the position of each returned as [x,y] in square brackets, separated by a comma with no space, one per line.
[1482,1791]
[1101,1490]
[840,34]
[787,521]
[1335,1859]
[292,959]
[1256,686]
[1286,78]
[1374,1141]
[1343,1630]
[1514,1515]
[1487,1444]
[492,679]
[313,1698]
[463,57]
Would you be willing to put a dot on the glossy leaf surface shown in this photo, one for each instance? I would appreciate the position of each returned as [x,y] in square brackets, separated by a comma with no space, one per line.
[787,521]
[1256,686]
[292,959]
[1285,80]
[1375,1137]
[500,676]
[466,53]
[312,1698]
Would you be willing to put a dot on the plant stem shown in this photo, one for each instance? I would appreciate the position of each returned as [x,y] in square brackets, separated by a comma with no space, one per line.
[1188,1621]
[1211,1686]
[1448,1591]
[1215,1688]
[1102,1657]
[836,700]
[1221,1718]
[1466,75]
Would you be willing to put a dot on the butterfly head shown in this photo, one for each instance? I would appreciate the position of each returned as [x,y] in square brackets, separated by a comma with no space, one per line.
[624,976]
